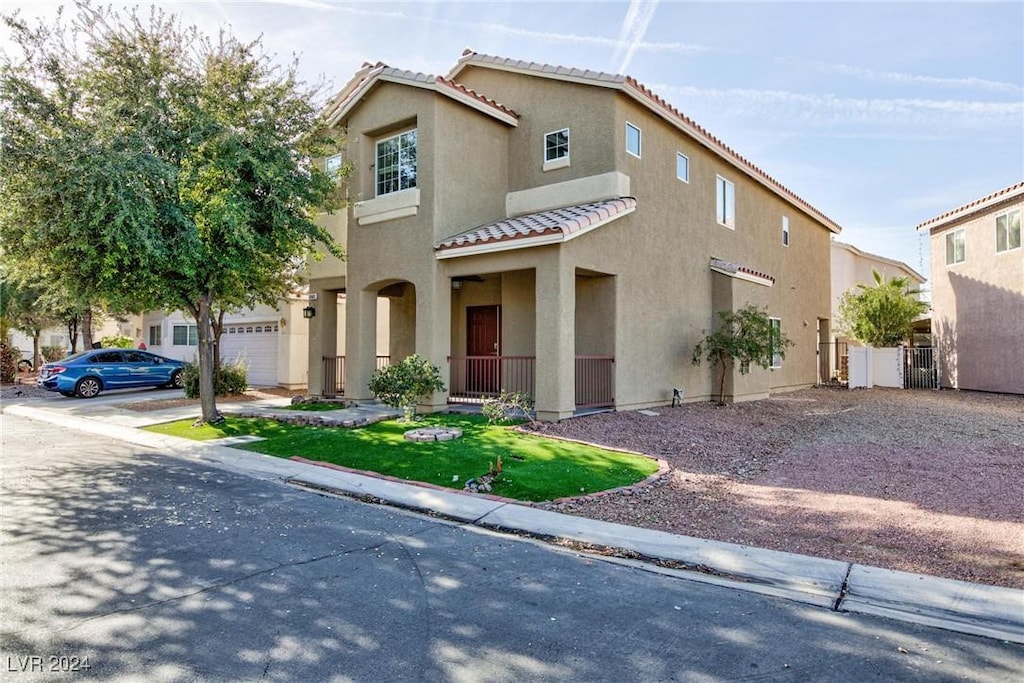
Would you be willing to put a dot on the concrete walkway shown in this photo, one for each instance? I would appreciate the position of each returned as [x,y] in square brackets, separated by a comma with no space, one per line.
[960,606]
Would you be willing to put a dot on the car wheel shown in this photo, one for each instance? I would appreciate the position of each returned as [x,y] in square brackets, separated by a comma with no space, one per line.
[88,387]
[177,380]
[24,366]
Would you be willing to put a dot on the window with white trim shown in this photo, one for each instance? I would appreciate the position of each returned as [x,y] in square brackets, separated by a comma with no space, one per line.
[1008,231]
[956,247]
[632,139]
[682,167]
[332,165]
[556,145]
[785,231]
[155,335]
[776,329]
[396,163]
[185,335]
[725,202]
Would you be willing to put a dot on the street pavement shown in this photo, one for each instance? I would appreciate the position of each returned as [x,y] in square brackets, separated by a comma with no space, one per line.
[150,563]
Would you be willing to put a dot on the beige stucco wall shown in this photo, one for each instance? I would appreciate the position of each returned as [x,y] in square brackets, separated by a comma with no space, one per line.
[653,299]
[978,307]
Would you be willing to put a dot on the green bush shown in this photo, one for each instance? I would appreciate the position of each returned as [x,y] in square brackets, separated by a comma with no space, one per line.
[404,384]
[232,380]
[510,405]
[117,341]
[52,354]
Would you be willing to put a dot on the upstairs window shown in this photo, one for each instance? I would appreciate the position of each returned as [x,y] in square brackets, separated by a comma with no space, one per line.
[632,139]
[682,167]
[956,249]
[1008,231]
[396,163]
[725,202]
[785,231]
[556,145]
[332,165]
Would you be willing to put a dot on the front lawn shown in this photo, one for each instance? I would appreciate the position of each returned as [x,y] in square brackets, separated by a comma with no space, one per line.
[534,468]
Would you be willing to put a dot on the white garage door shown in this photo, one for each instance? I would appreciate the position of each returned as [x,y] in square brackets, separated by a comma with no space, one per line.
[256,345]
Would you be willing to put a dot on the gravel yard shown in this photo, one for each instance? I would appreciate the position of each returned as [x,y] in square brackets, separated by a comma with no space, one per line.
[920,481]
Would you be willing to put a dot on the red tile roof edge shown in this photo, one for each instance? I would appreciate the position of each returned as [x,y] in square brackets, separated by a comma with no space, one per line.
[966,209]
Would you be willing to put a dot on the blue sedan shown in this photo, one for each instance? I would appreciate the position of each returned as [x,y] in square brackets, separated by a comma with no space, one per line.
[88,373]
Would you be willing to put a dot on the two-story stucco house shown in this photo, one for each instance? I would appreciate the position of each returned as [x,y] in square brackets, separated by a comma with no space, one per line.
[978,292]
[557,231]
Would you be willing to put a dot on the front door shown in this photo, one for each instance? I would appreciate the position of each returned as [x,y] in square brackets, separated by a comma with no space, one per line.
[483,335]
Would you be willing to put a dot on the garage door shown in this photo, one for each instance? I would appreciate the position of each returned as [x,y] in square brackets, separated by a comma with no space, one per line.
[256,345]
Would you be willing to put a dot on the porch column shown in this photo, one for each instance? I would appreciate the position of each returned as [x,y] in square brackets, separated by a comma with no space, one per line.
[360,343]
[556,337]
[433,335]
[322,337]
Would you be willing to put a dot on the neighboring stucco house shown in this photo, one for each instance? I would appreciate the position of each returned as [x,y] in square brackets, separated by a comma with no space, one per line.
[557,231]
[852,267]
[978,292]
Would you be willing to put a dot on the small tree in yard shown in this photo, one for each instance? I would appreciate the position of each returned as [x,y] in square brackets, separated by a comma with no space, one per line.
[405,384]
[883,314]
[745,337]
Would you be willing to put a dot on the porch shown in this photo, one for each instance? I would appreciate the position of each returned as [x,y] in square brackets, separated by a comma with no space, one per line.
[471,379]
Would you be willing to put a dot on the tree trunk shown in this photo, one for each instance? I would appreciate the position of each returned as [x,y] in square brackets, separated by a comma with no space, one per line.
[35,350]
[87,329]
[207,394]
[218,329]
[73,333]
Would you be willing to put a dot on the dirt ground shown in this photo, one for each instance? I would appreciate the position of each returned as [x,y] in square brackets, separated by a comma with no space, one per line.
[921,481]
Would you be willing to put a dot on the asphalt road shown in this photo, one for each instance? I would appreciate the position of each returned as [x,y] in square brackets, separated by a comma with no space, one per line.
[143,566]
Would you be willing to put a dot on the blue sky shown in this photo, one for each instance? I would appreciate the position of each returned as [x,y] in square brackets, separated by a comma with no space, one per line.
[880,114]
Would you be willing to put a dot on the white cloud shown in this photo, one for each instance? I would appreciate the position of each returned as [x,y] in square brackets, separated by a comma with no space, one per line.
[631,35]
[906,78]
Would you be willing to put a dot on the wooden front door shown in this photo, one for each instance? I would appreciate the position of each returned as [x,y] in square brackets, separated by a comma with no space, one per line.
[483,346]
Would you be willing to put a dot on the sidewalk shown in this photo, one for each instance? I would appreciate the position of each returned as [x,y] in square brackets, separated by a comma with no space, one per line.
[976,609]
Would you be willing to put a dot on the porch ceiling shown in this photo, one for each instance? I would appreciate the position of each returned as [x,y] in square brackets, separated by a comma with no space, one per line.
[535,229]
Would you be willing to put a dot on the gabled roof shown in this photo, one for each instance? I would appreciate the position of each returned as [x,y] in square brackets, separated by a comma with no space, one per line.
[977,206]
[535,229]
[371,74]
[642,94]
[884,259]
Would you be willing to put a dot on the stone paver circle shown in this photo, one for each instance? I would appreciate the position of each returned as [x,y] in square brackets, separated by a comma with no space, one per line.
[425,434]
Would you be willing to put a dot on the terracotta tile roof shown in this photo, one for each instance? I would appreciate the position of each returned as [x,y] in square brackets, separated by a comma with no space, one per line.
[567,222]
[370,74]
[735,268]
[1005,194]
[644,95]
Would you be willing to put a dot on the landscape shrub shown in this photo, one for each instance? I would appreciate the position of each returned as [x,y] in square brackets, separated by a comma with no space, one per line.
[404,384]
[8,364]
[52,354]
[232,379]
[117,341]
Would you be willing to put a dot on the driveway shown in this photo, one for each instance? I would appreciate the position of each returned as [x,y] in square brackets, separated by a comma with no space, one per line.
[920,481]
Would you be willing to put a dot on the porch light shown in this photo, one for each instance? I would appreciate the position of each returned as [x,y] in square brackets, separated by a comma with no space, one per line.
[308,312]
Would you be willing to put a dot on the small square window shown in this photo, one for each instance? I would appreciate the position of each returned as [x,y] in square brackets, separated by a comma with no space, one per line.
[682,167]
[1008,231]
[556,145]
[785,231]
[632,139]
[332,165]
[155,335]
[956,248]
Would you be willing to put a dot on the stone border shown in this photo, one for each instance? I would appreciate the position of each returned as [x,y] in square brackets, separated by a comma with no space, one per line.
[309,419]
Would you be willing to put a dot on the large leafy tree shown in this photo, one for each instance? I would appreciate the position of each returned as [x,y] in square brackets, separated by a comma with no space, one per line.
[741,338]
[23,307]
[159,167]
[881,314]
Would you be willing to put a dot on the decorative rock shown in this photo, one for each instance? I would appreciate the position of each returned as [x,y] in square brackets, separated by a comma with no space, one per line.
[425,434]
[298,399]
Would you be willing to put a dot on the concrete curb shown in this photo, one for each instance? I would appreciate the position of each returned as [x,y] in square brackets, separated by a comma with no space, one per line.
[976,609]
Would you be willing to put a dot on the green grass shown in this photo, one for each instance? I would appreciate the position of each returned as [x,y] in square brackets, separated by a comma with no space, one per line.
[534,468]
[316,406]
